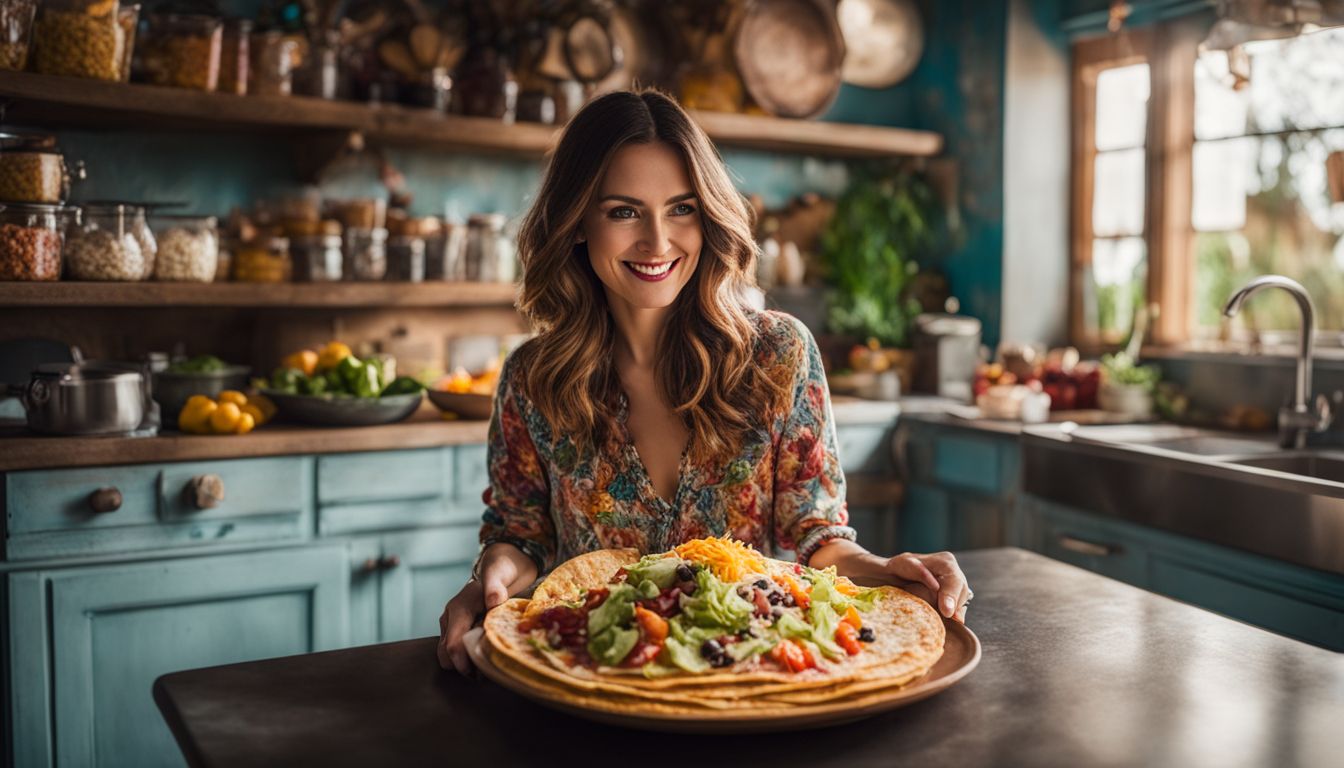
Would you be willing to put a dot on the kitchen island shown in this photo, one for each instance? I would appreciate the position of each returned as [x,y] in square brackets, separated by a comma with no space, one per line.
[1077,670]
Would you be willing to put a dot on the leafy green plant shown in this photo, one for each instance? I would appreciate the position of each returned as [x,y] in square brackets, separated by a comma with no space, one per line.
[1121,369]
[884,225]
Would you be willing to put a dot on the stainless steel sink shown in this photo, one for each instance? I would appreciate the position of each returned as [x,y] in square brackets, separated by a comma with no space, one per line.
[1320,466]
[1170,437]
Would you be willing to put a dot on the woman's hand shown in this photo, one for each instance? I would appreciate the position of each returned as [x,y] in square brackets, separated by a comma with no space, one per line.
[505,571]
[936,578]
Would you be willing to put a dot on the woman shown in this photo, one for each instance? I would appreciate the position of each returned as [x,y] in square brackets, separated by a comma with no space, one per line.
[653,405]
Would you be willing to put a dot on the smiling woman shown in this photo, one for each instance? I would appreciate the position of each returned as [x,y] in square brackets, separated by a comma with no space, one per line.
[654,406]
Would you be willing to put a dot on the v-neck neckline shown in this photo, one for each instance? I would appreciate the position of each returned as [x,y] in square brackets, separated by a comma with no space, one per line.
[628,441]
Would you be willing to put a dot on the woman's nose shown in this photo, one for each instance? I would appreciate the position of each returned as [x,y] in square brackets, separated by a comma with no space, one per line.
[654,241]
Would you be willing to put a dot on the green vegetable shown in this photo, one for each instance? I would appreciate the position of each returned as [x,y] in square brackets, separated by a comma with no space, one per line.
[684,655]
[1119,368]
[612,645]
[287,380]
[312,385]
[717,604]
[402,385]
[198,364]
[370,381]
[824,620]
[748,648]
[656,568]
[618,608]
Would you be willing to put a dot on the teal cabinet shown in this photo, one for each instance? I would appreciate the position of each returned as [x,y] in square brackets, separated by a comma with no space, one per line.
[961,486]
[866,459]
[401,581]
[86,643]
[1298,602]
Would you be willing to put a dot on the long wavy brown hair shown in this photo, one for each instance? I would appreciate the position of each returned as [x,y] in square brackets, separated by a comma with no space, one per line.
[705,367]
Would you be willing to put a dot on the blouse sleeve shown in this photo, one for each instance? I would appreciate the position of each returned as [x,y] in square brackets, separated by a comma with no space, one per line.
[518,499]
[809,503]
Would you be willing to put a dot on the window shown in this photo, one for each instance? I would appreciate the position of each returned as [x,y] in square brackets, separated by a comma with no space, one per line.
[1189,181]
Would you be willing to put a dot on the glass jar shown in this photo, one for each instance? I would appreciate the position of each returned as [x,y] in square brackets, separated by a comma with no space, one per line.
[406,258]
[30,241]
[272,67]
[486,86]
[16,27]
[103,246]
[128,18]
[263,259]
[234,55]
[445,253]
[365,253]
[33,176]
[317,258]
[182,51]
[320,74]
[149,247]
[188,248]
[488,256]
[224,264]
[83,38]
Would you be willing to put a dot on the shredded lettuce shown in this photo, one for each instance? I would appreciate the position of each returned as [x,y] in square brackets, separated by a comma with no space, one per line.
[617,609]
[824,620]
[659,569]
[750,647]
[716,604]
[685,655]
[612,645]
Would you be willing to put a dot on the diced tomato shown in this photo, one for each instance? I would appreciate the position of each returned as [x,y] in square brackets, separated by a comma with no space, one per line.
[762,604]
[666,604]
[620,575]
[594,598]
[848,638]
[793,656]
[852,618]
[798,569]
[642,654]
[652,626]
[800,598]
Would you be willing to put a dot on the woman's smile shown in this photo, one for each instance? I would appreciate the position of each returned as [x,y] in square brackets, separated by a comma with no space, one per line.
[652,271]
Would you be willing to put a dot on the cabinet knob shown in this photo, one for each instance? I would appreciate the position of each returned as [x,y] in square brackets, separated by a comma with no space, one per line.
[384,563]
[105,500]
[203,491]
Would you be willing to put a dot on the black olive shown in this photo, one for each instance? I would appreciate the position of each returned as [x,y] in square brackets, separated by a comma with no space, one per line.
[748,632]
[722,660]
[684,572]
[866,635]
[762,584]
[775,598]
[776,612]
[710,649]
[789,601]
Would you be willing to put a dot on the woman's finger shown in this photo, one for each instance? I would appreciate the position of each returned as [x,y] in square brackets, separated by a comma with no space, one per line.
[952,587]
[910,567]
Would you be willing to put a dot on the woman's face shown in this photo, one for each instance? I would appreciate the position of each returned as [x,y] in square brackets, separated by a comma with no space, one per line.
[643,233]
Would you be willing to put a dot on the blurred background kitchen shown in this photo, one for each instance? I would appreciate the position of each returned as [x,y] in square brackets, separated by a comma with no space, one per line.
[257,274]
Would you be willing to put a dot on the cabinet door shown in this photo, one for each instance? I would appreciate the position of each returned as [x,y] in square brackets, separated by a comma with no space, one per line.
[924,525]
[431,566]
[103,634]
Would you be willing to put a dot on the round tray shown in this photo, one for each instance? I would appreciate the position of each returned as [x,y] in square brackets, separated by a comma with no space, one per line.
[961,654]
[468,405]
[790,54]
[344,411]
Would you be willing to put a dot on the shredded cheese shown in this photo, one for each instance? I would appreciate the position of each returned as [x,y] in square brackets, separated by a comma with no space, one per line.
[726,558]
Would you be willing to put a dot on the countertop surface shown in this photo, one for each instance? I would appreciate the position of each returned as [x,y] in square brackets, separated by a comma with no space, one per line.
[1077,670]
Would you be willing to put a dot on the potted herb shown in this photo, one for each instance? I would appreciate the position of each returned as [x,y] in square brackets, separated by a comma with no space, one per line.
[1127,387]
[884,225]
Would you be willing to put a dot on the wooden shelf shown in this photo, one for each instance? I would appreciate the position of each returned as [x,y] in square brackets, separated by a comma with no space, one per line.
[50,100]
[429,294]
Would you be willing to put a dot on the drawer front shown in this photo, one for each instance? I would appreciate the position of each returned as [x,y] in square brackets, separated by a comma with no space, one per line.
[1093,545]
[471,476]
[49,513]
[382,476]
[431,567]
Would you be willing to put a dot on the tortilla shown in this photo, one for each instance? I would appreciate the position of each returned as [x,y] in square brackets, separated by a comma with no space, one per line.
[908,641]
[569,579]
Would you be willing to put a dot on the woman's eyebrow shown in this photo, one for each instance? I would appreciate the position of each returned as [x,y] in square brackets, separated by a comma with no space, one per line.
[637,201]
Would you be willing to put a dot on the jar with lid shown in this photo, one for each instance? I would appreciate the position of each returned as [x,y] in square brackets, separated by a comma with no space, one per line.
[224,262]
[104,246]
[30,241]
[318,258]
[489,255]
[445,252]
[406,258]
[263,259]
[16,26]
[32,169]
[486,86]
[234,54]
[149,247]
[182,50]
[365,253]
[272,67]
[188,248]
[84,38]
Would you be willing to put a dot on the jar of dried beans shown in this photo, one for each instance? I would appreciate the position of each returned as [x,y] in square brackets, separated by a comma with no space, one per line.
[30,241]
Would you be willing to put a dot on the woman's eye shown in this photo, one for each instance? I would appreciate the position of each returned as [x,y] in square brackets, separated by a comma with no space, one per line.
[624,212]
[683,209]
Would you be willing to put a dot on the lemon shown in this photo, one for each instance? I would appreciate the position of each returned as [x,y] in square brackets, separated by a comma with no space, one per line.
[233,396]
[225,418]
[245,424]
[258,418]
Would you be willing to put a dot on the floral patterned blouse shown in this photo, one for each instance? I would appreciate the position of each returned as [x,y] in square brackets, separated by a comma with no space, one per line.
[783,491]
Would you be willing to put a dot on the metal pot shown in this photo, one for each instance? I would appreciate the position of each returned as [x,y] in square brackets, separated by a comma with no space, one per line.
[83,399]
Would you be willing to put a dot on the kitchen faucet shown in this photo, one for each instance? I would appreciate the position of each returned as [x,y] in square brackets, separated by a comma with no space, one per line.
[1296,420]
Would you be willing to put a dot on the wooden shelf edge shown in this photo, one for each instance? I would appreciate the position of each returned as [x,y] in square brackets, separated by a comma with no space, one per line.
[95,103]
[310,295]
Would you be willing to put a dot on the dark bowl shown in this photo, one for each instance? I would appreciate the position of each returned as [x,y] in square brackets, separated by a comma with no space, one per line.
[329,411]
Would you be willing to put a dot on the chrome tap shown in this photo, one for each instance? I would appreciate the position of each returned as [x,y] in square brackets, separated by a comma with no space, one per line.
[1295,420]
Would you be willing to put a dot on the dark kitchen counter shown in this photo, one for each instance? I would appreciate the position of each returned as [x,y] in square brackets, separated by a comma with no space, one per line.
[1077,670]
